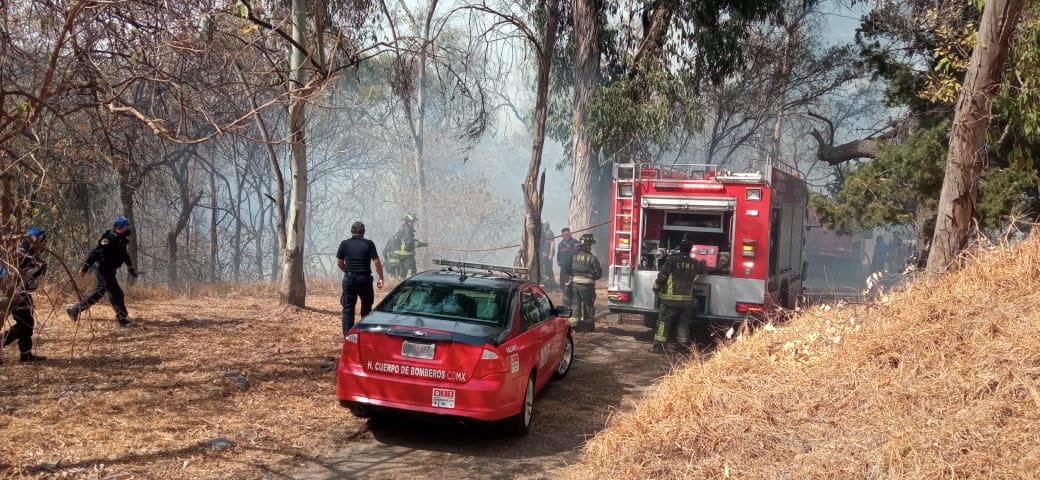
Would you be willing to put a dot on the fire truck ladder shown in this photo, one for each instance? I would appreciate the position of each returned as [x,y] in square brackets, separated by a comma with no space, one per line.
[623,208]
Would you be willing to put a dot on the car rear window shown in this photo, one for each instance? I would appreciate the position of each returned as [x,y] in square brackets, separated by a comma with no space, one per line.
[456,302]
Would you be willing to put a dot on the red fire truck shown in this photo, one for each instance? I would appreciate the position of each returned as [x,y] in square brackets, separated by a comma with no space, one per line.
[748,227]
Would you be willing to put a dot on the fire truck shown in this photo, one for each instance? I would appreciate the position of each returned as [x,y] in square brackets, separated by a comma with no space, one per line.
[748,227]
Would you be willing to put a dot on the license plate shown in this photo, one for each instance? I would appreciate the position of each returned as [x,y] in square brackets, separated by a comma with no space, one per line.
[418,350]
[443,398]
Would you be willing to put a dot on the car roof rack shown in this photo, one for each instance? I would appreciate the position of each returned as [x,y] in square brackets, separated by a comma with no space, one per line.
[512,272]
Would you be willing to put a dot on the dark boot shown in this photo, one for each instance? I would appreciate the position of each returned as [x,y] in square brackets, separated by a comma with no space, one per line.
[29,357]
[126,323]
[73,310]
[656,347]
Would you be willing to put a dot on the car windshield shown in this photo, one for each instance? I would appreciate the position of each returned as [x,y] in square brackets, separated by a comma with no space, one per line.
[456,302]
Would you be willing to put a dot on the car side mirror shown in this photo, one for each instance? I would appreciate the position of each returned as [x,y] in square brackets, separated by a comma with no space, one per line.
[562,311]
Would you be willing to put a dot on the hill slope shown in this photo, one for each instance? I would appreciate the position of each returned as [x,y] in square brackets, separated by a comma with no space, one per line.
[940,381]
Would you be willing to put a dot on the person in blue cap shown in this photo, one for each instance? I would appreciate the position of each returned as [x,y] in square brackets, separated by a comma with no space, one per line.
[30,268]
[106,258]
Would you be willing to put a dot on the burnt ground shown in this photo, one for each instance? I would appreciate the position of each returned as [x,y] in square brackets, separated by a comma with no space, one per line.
[612,368]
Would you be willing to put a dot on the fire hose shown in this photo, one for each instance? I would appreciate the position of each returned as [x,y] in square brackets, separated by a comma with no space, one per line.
[492,249]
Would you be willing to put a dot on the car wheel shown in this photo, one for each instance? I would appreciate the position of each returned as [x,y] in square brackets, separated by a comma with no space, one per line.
[566,359]
[520,423]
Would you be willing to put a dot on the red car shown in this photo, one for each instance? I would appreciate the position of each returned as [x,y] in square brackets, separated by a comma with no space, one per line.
[471,345]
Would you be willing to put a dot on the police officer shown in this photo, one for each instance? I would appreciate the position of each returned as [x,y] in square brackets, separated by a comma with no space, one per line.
[406,246]
[674,288]
[564,254]
[106,258]
[30,268]
[355,257]
[585,271]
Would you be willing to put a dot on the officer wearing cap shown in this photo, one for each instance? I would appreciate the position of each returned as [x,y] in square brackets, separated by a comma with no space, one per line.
[355,257]
[585,270]
[30,268]
[106,258]
[674,288]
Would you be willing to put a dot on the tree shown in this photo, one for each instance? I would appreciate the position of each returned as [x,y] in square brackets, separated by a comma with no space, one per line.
[966,157]
[590,178]
[541,38]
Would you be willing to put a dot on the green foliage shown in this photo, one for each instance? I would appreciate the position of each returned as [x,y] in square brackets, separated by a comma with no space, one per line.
[1000,194]
[639,117]
[887,190]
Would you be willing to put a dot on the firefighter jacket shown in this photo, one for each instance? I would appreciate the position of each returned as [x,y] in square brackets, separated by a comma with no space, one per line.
[675,281]
[585,268]
[407,242]
[109,254]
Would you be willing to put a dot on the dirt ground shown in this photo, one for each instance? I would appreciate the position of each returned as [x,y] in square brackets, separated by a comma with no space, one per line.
[229,385]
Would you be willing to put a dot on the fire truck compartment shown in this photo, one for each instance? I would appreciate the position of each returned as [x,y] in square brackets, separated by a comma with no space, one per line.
[717,295]
[664,230]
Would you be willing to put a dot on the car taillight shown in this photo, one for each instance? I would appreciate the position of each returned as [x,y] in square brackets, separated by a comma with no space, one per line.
[620,297]
[749,308]
[491,362]
[350,347]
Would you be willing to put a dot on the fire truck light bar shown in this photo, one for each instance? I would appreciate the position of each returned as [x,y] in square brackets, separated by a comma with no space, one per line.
[481,266]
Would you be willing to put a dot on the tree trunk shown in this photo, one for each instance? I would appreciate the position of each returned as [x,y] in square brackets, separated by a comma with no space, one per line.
[783,78]
[214,268]
[187,205]
[588,177]
[236,208]
[293,287]
[924,228]
[967,152]
[655,36]
[532,187]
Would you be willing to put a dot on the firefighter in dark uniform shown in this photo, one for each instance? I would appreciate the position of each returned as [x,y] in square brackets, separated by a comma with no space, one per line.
[674,287]
[393,264]
[564,254]
[355,257]
[585,270]
[406,246]
[106,258]
[30,268]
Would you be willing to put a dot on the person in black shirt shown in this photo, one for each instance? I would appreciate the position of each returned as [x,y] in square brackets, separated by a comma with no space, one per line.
[30,268]
[106,258]
[354,257]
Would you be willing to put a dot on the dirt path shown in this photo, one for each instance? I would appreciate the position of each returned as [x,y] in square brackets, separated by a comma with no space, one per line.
[612,367]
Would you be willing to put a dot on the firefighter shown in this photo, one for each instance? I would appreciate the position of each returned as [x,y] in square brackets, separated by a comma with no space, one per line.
[585,270]
[393,263]
[106,258]
[674,288]
[30,268]
[546,254]
[564,254]
[406,246]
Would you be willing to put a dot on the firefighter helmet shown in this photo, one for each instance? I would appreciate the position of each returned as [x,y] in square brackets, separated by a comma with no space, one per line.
[587,239]
[411,217]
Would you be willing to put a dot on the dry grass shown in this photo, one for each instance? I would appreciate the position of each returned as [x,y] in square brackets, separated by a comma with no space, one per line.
[137,402]
[940,381]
